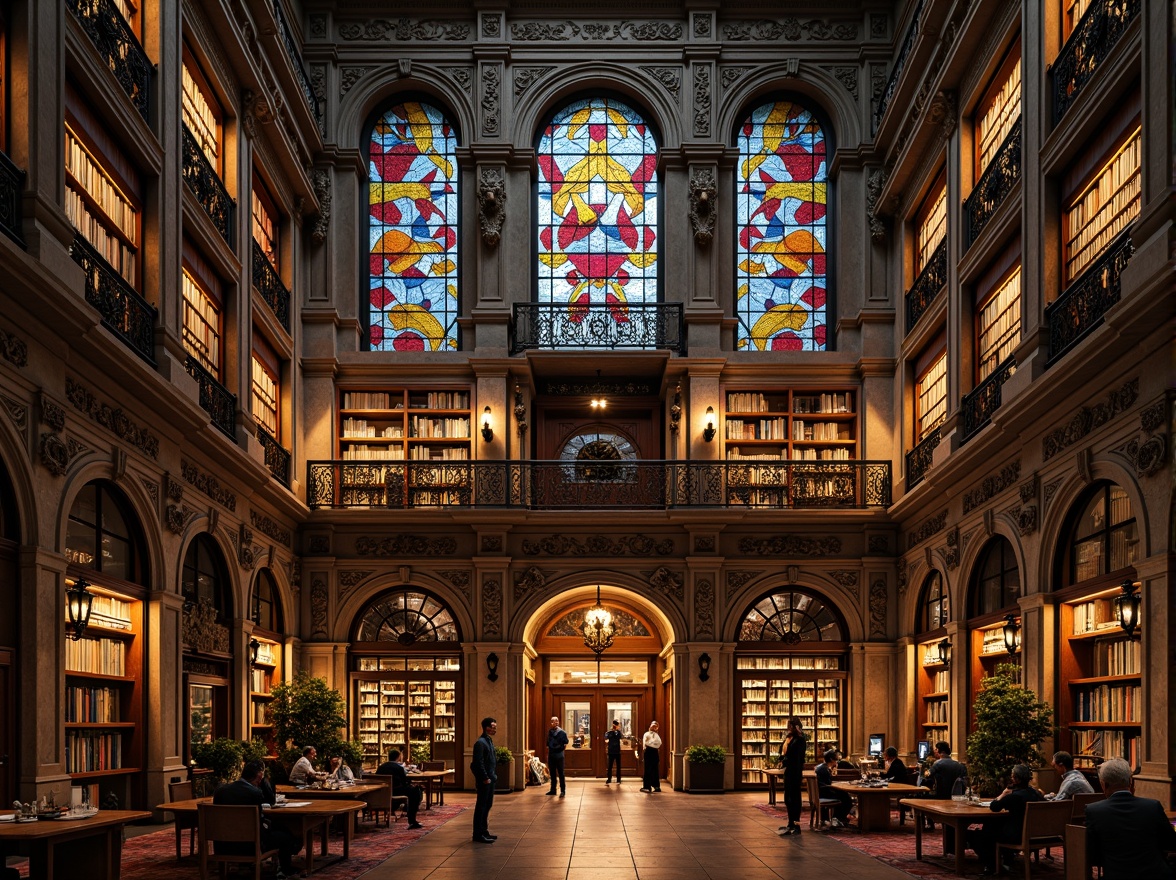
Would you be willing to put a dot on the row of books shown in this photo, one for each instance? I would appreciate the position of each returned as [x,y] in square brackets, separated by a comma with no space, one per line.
[363,452]
[1094,615]
[116,252]
[993,642]
[836,402]
[763,429]
[937,712]
[260,713]
[1114,703]
[820,431]
[787,663]
[91,752]
[442,400]
[360,429]
[758,402]
[369,400]
[97,656]
[1117,658]
[440,453]
[92,704]
[259,681]
[940,681]
[455,428]
[1107,744]
[839,453]
[97,184]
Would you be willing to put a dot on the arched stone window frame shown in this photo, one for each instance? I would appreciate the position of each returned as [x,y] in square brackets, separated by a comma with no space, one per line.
[996,563]
[433,616]
[933,610]
[810,610]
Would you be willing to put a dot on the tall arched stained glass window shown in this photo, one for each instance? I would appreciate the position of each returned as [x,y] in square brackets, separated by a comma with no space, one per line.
[412,230]
[781,197]
[597,211]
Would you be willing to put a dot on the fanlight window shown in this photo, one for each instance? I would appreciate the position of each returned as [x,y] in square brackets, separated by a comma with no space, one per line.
[1105,535]
[781,191]
[412,230]
[933,606]
[266,610]
[407,617]
[624,624]
[205,579]
[790,617]
[597,458]
[996,583]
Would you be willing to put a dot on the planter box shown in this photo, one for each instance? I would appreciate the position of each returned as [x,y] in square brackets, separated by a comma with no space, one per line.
[505,780]
[704,778]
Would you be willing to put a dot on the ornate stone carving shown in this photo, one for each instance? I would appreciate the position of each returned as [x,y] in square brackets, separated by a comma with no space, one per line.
[878,25]
[598,545]
[951,555]
[943,112]
[491,544]
[1051,489]
[639,31]
[875,183]
[877,83]
[54,455]
[114,420]
[491,25]
[702,25]
[846,577]
[525,77]
[542,31]
[403,30]
[176,517]
[703,190]
[790,545]
[668,582]
[349,580]
[458,577]
[405,545]
[731,75]
[878,609]
[702,100]
[1148,456]
[528,581]
[322,192]
[318,608]
[52,414]
[736,580]
[901,571]
[463,76]
[270,528]
[1027,519]
[152,489]
[704,544]
[491,205]
[931,527]
[173,488]
[848,77]
[491,86]
[670,77]
[1088,418]
[349,76]
[209,485]
[878,544]
[17,412]
[246,555]
[201,632]
[492,608]
[1028,489]
[1151,418]
[320,545]
[75,448]
[993,485]
[14,349]
[789,29]
[318,26]
[704,608]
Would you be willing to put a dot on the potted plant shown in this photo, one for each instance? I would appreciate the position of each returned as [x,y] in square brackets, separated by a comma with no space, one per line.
[504,768]
[222,756]
[419,752]
[1011,724]
[306,712]
[705,768]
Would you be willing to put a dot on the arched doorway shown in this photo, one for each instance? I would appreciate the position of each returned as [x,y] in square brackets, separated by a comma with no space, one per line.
[208,654]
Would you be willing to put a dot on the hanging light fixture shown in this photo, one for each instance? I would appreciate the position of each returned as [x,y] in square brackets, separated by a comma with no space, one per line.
[78,601]
[1127,606]
[1012,634]
[598,630]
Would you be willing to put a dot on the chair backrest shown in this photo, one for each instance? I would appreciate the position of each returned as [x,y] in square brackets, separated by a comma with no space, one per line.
[1077,867]
[381,798]
[230,823]
[1078,810]
[1046,819]
[814,790]
[180,791]
[432,765]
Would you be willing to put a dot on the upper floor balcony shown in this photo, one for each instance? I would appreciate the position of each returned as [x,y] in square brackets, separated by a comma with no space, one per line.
[993,186]
[215,399]
[900,60]
[927,286]
[295,57]
[269,285]
[124,312]
[119,48]
[1081,307]
[918,460]
[277,457]
[981,402]
[204,183]
[597,327]
[11,186]
[1092,41]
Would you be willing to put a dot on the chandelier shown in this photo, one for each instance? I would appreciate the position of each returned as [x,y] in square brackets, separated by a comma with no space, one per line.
[598,628]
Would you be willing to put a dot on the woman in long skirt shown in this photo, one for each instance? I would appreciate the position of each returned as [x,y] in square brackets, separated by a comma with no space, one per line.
[651,752]
[792,753]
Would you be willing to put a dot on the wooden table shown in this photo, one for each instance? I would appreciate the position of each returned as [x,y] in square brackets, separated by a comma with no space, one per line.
[431,778]
[56,847]
[361,791]
[958,814]
[302,822]
[775,779]
[874,802]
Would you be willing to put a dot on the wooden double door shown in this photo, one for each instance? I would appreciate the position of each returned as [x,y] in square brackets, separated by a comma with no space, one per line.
[586,713]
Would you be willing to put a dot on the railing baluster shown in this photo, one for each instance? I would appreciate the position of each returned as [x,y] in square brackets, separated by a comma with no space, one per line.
[1081,307]
[981,402]
[918,460]
[993,186]
[597,326]
[215,399]
[277,458]
[269,285]
[119,47]
[908,43]
[124,312]
[1092,41]
[927,286]
[11,187]
[295,59]
[201,178]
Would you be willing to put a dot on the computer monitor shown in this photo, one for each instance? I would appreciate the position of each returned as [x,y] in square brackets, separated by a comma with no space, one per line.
[923,750]
[877,745]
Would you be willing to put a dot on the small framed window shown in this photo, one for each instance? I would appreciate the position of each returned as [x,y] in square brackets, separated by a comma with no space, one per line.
[202,324]
[1104,536]
[99,202]
[999,109]
[266,388]
[931,393]
[998,324]
[933,604]
[265,222]
[201,112]
[1103,205]
[996,582]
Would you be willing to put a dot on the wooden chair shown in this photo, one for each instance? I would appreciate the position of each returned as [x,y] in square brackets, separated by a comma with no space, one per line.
[1045,826]
[223,823]
[912,778]
[183,791]
[819,807]
[382,800]
[1077,868]
[1080,801]
[440,783]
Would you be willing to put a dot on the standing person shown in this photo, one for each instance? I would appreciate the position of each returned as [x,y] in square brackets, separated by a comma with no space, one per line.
[651,753]
[303,772]
[825,785]
[401,787]
[557,743]
[1117,835]
[246,791]
[1072,781]
[792,756]
[484,767]
[612,742]
[1009,828]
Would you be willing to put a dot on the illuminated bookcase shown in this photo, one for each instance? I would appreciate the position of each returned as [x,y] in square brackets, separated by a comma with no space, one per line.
[987,652]
[934,694]
[266,672]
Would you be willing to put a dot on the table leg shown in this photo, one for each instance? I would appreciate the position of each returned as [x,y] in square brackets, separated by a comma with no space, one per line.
[772,790]
[348,829]
[959,826]
[918,814]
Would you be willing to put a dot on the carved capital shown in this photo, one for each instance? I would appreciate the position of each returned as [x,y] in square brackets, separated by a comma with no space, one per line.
[491,205]
[703,193]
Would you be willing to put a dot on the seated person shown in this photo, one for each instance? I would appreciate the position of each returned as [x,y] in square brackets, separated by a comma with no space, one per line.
[303,772]
[895,770]
[825,784]
[247,791]
[1072,781]
[340,772]
[401,787]
[941,778]
[1127,835]
[1012,800]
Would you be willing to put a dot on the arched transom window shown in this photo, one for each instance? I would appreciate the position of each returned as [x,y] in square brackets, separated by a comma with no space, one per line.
[781,237]
[933,605]
[791,617]
[996,583]
[412,230]
[407,617]
[597,214]
[1104,536]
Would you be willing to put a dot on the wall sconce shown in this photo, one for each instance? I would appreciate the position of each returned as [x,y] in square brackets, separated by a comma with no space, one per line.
[708,433]
[944,649]
[1012,634]
[1127,606]
[492,666]
[254,650]
[704,662]
[78,601]
[487,431]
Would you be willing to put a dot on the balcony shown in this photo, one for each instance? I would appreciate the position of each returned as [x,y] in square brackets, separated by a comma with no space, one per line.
[1093,40]
[277,459]
[269,285]
[993,186]
[295,59]
[215,399]
[206,186]
[927,286]
[977,407]
[1080,309]
[118,46]
[918,460]
[124,312]
[597,327]
[588,485]
[908,43]
[11,186]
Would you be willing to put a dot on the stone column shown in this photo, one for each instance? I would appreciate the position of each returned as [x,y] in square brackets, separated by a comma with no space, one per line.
[163,703]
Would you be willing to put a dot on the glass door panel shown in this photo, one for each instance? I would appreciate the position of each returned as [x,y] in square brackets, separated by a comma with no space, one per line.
[575,717]
[625,711]
[200,712]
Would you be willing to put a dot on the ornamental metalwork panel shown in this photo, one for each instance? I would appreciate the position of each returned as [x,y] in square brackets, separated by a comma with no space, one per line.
[781,193]
[927,286]
[918,460]
[1092,41]
[295,56]
[791,617]
[908,42]
[202,181]
[215,399]
[1081,307]
[412,230]
[11,187]
[993,186]
[600,326]
[597,235]
[124,312]
[981,402]
[269,284]
[277,458]
[119,47]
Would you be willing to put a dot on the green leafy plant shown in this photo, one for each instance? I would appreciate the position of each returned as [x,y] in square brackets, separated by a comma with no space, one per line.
[419,752]
[503,755]
[307,712]
[1011,724]
[257,749]
[706,754]
[222,756]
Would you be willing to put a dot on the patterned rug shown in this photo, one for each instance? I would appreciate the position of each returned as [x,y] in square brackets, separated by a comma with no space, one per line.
[152,856]
[897,849]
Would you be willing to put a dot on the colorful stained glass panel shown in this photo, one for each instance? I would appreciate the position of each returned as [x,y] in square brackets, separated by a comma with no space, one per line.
[412,228]
[597,210]
[781,248]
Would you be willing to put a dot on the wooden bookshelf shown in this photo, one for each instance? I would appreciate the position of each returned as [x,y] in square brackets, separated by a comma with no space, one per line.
[934,686]
[987,652]
[266,672]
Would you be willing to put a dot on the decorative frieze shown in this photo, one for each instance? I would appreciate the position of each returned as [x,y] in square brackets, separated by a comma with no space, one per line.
[736,580]
[704,608]
[878,26]
[847,578]
[405,545]
[878,609]
[666,581]
[14,349]
[901,575]
[596,31]
[669,77]
[1147,457]
[790,545]
[492,608]
[875,183]
[597,388]
[491,76]
[790,30]
[525,77]
[1088,418]
[598,545]
[209,485]
[176,517]
[318,608]
[270,528]
[933,526]
[404,30]
[993,485]
[1151,418]
[114,420]
[152,488]
[702,100]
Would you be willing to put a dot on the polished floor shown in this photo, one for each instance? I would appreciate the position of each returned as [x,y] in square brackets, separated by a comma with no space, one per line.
[610,832]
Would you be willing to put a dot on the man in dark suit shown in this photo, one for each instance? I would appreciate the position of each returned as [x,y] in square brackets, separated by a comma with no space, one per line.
[940,779]
[484,768]
[896,770]
[1008,829]
[247,791]
[1127,835]
[401,787]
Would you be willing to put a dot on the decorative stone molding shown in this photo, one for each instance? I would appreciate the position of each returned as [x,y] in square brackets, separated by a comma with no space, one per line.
[318,26]
[322,192]
[525,77]
[491,544]
[52,415]
[1147,457]
[349,580]
[246,554]
[1028,489]
[54,455]
[790,545]
[848,77]
[931,527]
[728,76]
[704,544]
[319,545]
[875,183]
[736,580]
[951,554]
[943,112]
[1151,418]
[877,83]
[791,30]
[491,76]
[491,25]
[270,528]
[491,205]
[458,577]
[669,77]
[597,387]
[993,485]
[404,545]
[492,608]
[348,77]
[114,420]
[17,412]
[176,517]
[318,86]
[846,577]
[598,545]
[878,544]
[703,25]
[543,31]
[318,608]
[14,349]
[404,30]
[668,582]
[75,448]
[594,31]
[901,572]
[531,580]
[1088,418]
[463,76]
[201,632]
[1027,519]
[704,609]
[1051,489]
[152,489]
[878,28]
[702,100]
[703,192]
[878,609]
[209,485]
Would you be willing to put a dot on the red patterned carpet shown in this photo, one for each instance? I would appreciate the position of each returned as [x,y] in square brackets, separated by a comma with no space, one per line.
[152,856]
[897,849]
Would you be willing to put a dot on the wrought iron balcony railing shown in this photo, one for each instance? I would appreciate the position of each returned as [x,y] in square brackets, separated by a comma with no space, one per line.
[206,186]
[1093,39]
[927,286]
[918,460]
[908,43]
[277,458]
[215,399]
[118,45]
[993,186]
[597,326]
[580,485]
[295,59]
[269,285]
[1081,307]
[124,312]
[11,186]
[981,402]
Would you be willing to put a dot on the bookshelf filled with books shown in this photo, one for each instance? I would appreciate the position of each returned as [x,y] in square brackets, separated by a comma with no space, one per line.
[934,705]
[988,651]
[263,675]
[100,209]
